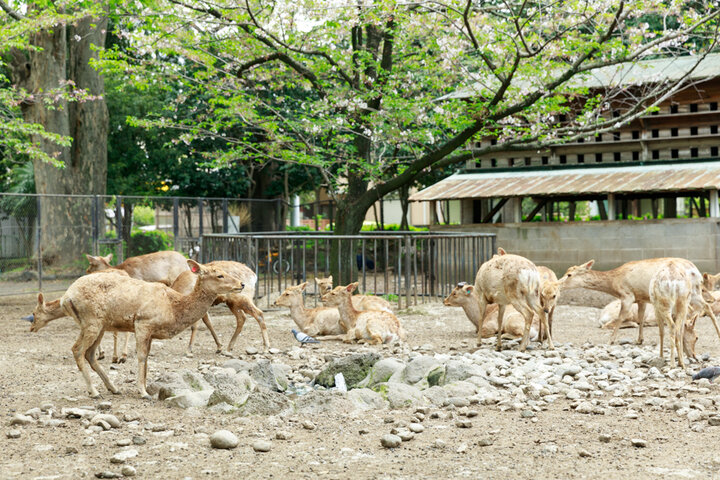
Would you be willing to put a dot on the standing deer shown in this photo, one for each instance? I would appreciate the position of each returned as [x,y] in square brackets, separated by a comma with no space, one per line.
[511,280]
[319,321]
[631,284]
[238,303]
[670,291]
[367,326]
[360,302]
[116,303]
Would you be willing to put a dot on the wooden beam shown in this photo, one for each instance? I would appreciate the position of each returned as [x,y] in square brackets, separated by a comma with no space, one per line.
[535,210]
[494,210]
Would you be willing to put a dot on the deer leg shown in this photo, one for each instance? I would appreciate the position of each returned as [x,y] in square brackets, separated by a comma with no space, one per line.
[709,313]
[641,321]
[143,340]
[90,357]
[125,339]
[682,316]
[481,320]
[527,314]
[625,308]
[247,306]
[209,325]
[501,312]
[84,341]
[544,319]
[239,323]
[661,320]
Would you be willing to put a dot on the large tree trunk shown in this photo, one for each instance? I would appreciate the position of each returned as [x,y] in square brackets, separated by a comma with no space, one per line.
[349,221]
[63,60]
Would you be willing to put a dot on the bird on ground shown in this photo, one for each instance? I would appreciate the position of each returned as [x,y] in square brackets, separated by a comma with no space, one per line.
[711,373]
[303,338]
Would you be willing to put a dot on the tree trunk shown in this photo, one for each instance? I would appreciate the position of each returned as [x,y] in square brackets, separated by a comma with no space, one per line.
[350,217]
[63,60]
[404,205]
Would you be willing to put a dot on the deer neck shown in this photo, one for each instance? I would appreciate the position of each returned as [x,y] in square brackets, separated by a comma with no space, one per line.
[193,306]
[472,308]
[300,314]
[348,312]
[599,281]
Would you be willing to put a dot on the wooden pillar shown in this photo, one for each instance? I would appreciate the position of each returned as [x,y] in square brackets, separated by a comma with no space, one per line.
[611,206]
[670,207]
[714,208]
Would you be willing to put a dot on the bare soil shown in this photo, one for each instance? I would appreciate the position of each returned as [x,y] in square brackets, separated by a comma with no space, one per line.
[39,368]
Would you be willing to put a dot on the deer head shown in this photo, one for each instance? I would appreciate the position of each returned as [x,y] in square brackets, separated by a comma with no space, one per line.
[575,275]
[98,264]
[338,295]
[460,295]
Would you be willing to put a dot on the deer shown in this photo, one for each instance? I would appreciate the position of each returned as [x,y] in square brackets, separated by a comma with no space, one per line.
[316,322]
[116,303]
[710,281]
[511,280]
[630,283]
[360,302]
[364,326]
[463,295]
[238,303]
[609,315]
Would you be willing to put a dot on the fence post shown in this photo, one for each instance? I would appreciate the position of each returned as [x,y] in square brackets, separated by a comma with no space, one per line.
[225,215]
[176,222]
[406,259]
[200,228]
[38,237]
[118,227]
[95,224]
[278,214]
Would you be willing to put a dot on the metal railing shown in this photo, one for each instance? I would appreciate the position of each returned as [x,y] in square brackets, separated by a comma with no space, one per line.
[404,267]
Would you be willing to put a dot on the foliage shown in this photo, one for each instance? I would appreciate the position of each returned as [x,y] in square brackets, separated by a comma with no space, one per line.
[143,215]
[392,227]
[142,242]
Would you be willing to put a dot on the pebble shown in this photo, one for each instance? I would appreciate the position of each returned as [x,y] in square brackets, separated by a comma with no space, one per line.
[638,442]
[108,474]
[251,351]
[105,420]
[308,425]
[416,428]
[104,406]
[139,441]
[389,420]
[274,351]
[47,406]
[584,453]
[527,414]
[124,456]
[463,423]
[405,435]
[282,435]
[714,421]
[223,439]
[363,431]
[390,441]
[19,419]
[605,438]
[472,413]
[262,446]
[439,443]
[462,448]
[88,442]
[131,417]
[128,471]
[123,442]
[13,433]
[71,450]
[485,442]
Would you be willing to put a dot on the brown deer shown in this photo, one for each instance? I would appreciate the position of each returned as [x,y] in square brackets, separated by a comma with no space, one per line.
[101,303]
[463,295]
[319,321]
[670,291]
[631,284]
[360,302]
[366,326]
[238,303]
[163,266]
[710,281]
[511,280]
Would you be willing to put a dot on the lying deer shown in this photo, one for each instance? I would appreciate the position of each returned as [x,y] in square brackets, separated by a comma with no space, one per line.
[238,303]
[711,281]
[631,284]
[463,295]
[511,280]
[611,311]
[366,326]
[116,303]
[360,302]
[319,321]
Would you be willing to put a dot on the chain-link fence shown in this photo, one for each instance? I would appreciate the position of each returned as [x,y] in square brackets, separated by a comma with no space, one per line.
[44,238]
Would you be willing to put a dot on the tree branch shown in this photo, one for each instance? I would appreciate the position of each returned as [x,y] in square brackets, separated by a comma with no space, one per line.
[12,13]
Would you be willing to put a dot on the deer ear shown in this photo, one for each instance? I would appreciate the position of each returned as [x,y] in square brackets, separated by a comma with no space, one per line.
[41,300]
[589,264]
[329,279]
[195,267]
[108,257]
[90,258]
[468,289]
[501,251]
[303,285]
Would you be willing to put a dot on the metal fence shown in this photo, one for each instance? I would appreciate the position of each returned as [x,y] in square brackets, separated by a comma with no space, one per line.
[43,238]
[404,267]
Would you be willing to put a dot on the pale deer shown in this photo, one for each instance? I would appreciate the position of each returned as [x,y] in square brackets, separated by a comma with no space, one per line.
[163,266]
[319,321]
[463,295]
[511,280]
[238,303]
[366,326]
[611,311]
[360,302]
[670,291]
[630,283]
[101,303]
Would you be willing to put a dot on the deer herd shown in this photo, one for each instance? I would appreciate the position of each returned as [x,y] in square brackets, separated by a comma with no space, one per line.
[159,295]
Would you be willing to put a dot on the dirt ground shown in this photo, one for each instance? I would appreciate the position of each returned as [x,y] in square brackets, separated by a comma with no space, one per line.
[39,368]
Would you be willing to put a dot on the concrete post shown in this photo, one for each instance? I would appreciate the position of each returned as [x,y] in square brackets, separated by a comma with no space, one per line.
[714,208]
[516,208]
[611,206]
[296,211]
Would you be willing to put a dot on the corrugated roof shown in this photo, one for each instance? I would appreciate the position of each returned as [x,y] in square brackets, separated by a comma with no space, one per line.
[641,72]
[576,181]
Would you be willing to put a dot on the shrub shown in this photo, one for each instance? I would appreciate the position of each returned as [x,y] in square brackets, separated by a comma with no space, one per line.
[142,242]
[143,215]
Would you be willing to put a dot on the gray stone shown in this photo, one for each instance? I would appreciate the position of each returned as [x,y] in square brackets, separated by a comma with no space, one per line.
[34,413]
[238,365]
[19,419]
[355,369]
[456,371]
[234,392]
[460,389]
[265,402]
[568,369]
[139,440]
[124,442]
[283,435]
[195,381]
[638,442]
[112,420]
[416,428]
[88,442]
[13,433]
[366,399]
[485,442]
[420,367]
[438,396]
[308,425]
[322,403]
[463,423]
[383,371]
[108,474]
[527,414]
[405,435]
[605,438]
[251,350]
[103,406]
[223,439]
[262,445]
[399,395]
[128,471]
[585,407]
[270,376]
[459,401]
[390,441]
[714,421]
[124,456]
[190,399]
[167,385]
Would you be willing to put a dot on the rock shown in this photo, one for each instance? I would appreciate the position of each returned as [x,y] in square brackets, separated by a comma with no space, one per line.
[416,428]
[235,392]
[399,395]
[104,406]
[108,474]
[585,407]
[405,435]
[34,413]
[169,384]
[195,380]
[47,406]
[112,420]
[238,365]
[190,399]
[131,417]
[605,438]
[462,448]
[584,453]
[459,401]
[568,369]
[308,425]
[138,440]
[382,371]
[251,350]
[390,441]
[366,399]
[638,442]
[322,403]
[456,371]
[124,442]
[223,439]
[274,351]
[714,421]
[19,419]
[527,414]
[262,446]
[438,396]
[124,456]
[13,433]
[420,367]
[270,376]
[265,403]
[485,442]
[128,471]
[88,442]
[71,450]
[462,423]
[283,435]
[353,367]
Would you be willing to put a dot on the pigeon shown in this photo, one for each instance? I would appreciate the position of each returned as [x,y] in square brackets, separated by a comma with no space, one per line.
[711,373]
[303,338]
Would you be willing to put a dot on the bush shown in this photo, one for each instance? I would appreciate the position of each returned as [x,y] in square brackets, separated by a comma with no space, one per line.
[143,215]
[147,242]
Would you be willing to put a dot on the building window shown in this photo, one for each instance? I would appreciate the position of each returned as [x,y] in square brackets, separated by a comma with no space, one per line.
[674,132]
[493,162]
[616,136]
[713,106]
[598,157]
[673,109]
[493,141]
[693,130]
[674,153]
[636,155]
[563,159]
[511,162]
[616,113]
[693,107]
[616,156]
[544,160]
[528,161]
[598,138]
[694,152]
[713,151]
[713,129]
[655,133]
[655,154]
[635,134]
[581,158]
